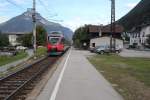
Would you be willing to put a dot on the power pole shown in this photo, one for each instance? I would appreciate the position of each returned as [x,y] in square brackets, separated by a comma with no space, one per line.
[113,27]
[34,25]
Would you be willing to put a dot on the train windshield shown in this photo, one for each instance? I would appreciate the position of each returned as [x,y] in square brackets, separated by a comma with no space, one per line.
[53,40]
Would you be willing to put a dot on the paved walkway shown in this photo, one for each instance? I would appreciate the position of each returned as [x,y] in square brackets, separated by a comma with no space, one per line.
[77,79]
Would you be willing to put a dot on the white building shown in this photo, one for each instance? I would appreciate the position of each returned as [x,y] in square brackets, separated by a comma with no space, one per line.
[140,35]
[104,41]
[100,35]
[13,37]
[13,40]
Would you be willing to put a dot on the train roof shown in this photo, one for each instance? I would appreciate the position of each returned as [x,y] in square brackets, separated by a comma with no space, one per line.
[56,34]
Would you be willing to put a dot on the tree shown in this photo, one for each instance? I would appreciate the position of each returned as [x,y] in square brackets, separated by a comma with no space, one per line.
[81,35]
[25,40]
[4,40]
[41,35]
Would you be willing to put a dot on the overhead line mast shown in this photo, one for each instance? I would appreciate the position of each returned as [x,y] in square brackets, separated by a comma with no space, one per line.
[113,27]
[34,25]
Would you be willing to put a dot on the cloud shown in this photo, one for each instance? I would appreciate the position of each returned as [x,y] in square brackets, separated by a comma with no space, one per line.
[131,5]
[3,19]
[78,21]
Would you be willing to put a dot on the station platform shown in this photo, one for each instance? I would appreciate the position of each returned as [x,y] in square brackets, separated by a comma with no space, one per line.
[76,79]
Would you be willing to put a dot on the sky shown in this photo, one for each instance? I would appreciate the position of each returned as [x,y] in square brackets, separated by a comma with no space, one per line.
[69,13]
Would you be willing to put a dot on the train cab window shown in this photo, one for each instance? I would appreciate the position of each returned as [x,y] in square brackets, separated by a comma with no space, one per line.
[53,40]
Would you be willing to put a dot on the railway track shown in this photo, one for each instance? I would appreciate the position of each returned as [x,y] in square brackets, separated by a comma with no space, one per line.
[17,85]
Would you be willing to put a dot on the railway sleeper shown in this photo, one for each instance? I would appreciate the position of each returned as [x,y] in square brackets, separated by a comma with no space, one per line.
[6,88]
[11,85]
[2,97]
[14,81]
[21,97]
[6,92]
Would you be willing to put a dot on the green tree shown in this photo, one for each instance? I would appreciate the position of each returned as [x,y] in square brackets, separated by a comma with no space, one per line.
[80,36]
[4,40]
[25,40]
[41,35]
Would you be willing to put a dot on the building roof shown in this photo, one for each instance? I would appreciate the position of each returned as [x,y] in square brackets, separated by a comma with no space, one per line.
[104,29]
[95,28]
[16,33]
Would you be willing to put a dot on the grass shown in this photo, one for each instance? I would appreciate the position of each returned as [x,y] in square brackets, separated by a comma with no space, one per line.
[41,51]
[131,76]
[8,59]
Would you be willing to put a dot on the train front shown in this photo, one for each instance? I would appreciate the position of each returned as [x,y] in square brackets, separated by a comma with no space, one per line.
[55,45]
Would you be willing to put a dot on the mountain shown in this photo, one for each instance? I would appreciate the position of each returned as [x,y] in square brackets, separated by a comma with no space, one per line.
[137,16]
[23,23]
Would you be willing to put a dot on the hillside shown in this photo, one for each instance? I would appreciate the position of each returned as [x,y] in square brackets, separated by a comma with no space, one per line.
[23,23]
[137,16]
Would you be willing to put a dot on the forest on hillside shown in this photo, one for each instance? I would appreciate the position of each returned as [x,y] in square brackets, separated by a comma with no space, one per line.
[137,16]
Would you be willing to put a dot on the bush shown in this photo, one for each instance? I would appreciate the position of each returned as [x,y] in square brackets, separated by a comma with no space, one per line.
[4,41]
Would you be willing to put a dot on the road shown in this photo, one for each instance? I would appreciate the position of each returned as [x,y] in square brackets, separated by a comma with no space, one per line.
[135,53]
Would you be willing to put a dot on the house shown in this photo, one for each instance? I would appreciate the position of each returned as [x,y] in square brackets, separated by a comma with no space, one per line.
[13,37]
[100,35]
[138,35]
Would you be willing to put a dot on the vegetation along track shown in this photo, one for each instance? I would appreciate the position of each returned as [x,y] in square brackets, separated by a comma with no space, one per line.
[17,85]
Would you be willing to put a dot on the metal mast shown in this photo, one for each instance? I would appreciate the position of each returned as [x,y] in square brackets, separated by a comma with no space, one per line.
[34,25]
[113,27]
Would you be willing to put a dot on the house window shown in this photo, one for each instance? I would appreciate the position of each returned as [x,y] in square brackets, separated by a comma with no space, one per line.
[139,40]
[139,34]
[143,34]
[93,44]
[136,35]
[132,36]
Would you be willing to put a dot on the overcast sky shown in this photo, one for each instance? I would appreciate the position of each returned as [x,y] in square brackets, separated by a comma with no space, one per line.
[74,13]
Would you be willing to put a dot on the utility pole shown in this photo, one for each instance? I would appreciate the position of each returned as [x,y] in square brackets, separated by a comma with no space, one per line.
[113,27]
[34,25]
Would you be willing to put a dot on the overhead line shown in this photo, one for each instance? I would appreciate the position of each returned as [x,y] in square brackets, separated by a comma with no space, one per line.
[11,2]
[55,20]
[44,5]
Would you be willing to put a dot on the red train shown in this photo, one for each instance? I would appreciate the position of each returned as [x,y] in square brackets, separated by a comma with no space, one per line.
[56,43]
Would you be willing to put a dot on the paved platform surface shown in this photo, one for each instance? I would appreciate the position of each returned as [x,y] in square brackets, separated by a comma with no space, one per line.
[76,79]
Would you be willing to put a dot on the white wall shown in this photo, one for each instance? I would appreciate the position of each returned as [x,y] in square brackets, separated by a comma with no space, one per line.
[144,32]
[13,40]
[140,38]
[105,41]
